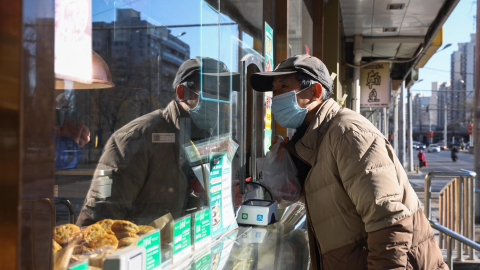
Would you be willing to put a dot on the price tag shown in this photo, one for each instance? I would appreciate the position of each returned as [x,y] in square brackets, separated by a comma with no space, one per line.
[151,243]
[182,242]
[202,228]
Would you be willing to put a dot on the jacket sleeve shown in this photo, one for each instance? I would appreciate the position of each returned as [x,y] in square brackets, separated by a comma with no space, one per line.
[126,155]
[366,165]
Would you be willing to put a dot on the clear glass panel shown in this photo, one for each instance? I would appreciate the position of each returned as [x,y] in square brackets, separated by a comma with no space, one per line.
[152,139]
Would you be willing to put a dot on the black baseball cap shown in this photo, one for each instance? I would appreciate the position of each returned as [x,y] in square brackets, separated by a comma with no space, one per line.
[214,73]
[305,63]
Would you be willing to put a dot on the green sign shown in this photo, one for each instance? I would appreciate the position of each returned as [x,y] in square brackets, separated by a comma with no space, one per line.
[151,243]
[268,47]
[80,266]
[203,263]
[244,216]
[182,243]
[202,228]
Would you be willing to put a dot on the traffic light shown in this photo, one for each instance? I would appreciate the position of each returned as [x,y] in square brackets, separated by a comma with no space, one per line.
[431,134]
[427,108]
[470,128]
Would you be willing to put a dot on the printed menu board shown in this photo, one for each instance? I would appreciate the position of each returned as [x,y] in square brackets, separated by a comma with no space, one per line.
[203,262]
[221,207]
[151,243]
[182,242]
[201,228]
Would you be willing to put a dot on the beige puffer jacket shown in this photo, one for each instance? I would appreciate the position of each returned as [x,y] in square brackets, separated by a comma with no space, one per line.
[362,211]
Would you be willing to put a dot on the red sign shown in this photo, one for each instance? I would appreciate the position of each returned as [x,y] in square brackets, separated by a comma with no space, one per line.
[470,128]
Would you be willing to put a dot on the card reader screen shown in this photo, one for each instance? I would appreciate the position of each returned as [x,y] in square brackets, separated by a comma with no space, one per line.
[259,203]
[135,263]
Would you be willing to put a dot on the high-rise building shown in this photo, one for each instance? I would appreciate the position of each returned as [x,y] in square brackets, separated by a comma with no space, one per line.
[462,82]
[443,101]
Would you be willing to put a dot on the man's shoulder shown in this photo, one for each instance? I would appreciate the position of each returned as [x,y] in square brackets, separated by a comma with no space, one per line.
[143,125]
[348,122]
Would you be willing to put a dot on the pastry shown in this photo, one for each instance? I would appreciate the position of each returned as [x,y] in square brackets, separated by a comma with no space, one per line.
[103,241]
[121,235]
[56,246]
[63,233]
[92,231]
[143,229]
[127,241]
[123,225]
[106,225]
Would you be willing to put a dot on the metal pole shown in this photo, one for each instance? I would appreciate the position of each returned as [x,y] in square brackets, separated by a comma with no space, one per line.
[427,195]
[445,124]
[410,132]
[459,214]
[401,129]
[395,124]
[430,127]
[477,110]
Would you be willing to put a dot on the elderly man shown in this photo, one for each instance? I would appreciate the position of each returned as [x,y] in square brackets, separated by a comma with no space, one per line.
[362,211]
[148,172]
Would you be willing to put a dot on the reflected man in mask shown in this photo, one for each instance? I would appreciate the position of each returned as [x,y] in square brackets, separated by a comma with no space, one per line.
[362,212]
[144,173]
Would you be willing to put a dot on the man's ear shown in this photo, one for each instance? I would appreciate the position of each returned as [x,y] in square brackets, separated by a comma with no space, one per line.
[180,92]
[317,91]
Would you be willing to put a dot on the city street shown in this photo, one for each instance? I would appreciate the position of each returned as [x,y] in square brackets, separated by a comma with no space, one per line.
[440,162]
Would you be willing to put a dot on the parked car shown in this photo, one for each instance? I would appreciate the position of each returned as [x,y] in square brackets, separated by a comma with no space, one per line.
[442,145]
[432,148]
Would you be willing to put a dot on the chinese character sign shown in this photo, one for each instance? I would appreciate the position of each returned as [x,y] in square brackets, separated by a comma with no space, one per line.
[375,85]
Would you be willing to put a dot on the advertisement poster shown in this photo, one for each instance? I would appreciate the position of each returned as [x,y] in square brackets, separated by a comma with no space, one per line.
[202,228]
[182,242]
[221,206]
[268,122]
[268,47]
[73,40]
[151,243]
[375,85]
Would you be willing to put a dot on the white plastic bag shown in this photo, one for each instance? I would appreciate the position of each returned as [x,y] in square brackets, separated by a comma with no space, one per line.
[279,175]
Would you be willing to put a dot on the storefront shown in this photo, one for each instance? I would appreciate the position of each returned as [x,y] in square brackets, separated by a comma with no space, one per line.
[140,112]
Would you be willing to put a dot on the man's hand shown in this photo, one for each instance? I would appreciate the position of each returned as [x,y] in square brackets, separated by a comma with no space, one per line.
[275,140]
[80,133]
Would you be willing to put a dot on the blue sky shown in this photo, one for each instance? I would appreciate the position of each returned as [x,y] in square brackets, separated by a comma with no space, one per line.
[457,28]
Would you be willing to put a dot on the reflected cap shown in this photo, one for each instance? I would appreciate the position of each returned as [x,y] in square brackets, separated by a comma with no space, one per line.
[305,63]
[207,66]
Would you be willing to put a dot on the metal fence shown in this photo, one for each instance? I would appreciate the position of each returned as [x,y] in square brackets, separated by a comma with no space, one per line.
[456,207]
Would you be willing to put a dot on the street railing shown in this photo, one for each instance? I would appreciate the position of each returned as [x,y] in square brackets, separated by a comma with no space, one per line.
[449,237]
[456,207]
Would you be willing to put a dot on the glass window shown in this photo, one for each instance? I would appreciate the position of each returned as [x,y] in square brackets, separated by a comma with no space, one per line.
[157,133]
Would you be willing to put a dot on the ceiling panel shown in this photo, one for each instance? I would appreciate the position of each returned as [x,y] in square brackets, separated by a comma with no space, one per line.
[407,50]
[424,7]
[357,21]
[385,49]
[358,31]
[364,7]
[387,20]
[418,21]
[414,31]
[378,32]
[380,7]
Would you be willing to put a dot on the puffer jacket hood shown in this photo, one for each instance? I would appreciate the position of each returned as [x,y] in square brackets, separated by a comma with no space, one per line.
[362,211]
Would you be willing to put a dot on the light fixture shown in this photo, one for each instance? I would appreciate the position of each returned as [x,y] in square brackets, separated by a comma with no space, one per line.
[395,6]
[101,77]
[389,29]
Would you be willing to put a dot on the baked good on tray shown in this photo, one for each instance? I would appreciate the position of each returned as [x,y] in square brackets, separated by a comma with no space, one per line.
[64,233]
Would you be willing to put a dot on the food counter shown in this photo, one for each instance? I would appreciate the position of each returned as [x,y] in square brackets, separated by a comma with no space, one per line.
[282,245]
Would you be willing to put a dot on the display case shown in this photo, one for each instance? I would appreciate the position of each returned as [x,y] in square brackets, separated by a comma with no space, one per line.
[140,132]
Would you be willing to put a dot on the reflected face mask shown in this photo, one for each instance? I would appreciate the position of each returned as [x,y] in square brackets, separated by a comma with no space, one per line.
[286,110]
[205,114]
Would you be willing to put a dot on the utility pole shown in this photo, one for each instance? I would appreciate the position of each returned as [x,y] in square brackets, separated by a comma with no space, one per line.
[401,128]
[476,124]
[445,124]
[410,132]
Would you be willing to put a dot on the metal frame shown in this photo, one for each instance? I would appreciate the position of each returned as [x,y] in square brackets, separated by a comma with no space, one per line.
[248,60]
[451,236]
